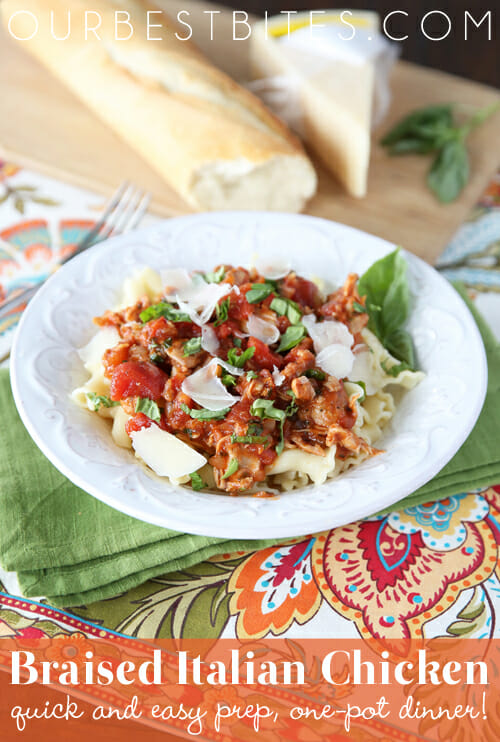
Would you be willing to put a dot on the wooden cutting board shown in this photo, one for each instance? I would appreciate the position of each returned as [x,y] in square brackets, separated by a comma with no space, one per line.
[44,126]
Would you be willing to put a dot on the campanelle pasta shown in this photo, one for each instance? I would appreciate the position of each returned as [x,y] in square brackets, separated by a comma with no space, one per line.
[202,401]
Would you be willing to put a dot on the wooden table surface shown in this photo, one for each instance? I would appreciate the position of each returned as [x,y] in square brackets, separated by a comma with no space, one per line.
[44,126]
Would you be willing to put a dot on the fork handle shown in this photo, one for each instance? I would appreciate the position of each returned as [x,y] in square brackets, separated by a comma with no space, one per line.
[24,296]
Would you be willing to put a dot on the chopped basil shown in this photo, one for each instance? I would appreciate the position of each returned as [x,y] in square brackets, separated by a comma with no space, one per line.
[163,309]
[237,342]
[254,428]
[248,438]
[155,350]
[315,373]
[239,359]
[291,337]
[99,400]
[358,307]
[197,482]
[231,469]
[286,308]
[192,346]
[205,414]
[148,408]
[264,408]
[252,375]
[215,276]
[396,369]
[228,380]
[259,292]
[363,387]
[221,311]
[292,407]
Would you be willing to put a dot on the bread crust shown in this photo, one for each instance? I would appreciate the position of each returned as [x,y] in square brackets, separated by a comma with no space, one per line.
[164,98]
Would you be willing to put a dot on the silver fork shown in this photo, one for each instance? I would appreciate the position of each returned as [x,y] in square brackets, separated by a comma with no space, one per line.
[123,212]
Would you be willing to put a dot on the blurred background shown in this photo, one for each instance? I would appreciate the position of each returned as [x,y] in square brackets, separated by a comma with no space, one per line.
[477,58]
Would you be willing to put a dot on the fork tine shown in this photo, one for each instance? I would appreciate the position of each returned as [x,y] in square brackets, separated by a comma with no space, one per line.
[115,217]
[136,216]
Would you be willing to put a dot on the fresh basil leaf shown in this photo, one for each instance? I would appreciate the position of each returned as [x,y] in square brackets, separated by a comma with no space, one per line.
[228,380]
[215,276]
[264,408]
[231,469]
[400,345]
[197,482]
[259,292]
[248,438]
[99,400]
[148,408]
[221,312]
[286,308]
[239,359]
[385,287]
[449,172]
[291,337]
[315,373]
[423,124]
[251,375]
[163,309]
[192,346]
[363,387]
[205,414]
[237,342]
[358,307]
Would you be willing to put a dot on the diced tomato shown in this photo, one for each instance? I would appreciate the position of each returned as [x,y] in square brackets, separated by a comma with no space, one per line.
[239,308]
[159,330]
[137,379]
[227,329]
[138,422]
[263,356]
[113,357]
[302,291]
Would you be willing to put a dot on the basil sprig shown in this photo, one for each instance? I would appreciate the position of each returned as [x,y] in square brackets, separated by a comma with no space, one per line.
[215,276]
[221,312]
[433,130]
[286,308]
[385,286]
[231,469]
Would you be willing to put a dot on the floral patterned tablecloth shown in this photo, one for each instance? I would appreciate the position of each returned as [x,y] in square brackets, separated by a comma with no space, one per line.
[428,570]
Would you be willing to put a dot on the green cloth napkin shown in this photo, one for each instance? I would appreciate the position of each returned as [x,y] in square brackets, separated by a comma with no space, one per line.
[73,549]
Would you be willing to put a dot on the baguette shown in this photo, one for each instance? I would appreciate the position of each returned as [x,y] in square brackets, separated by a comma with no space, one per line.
[210,139]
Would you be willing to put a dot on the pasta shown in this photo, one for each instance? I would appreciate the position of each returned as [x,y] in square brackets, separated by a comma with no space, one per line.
[302,400]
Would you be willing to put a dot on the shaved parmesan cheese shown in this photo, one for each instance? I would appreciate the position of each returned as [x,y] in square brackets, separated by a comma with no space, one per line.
[199,300]
[92,353]
[278,377]
[209,340]
[165,454]
[262,330]
[206,389]
[327,333]
[232,369]
[336,360]
[273,270]
[175,281]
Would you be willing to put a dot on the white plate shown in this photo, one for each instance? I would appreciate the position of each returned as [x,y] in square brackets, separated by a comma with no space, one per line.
[430,424]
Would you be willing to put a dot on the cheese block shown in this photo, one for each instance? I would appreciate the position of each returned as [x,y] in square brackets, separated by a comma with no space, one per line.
[211,139]
[332,85]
